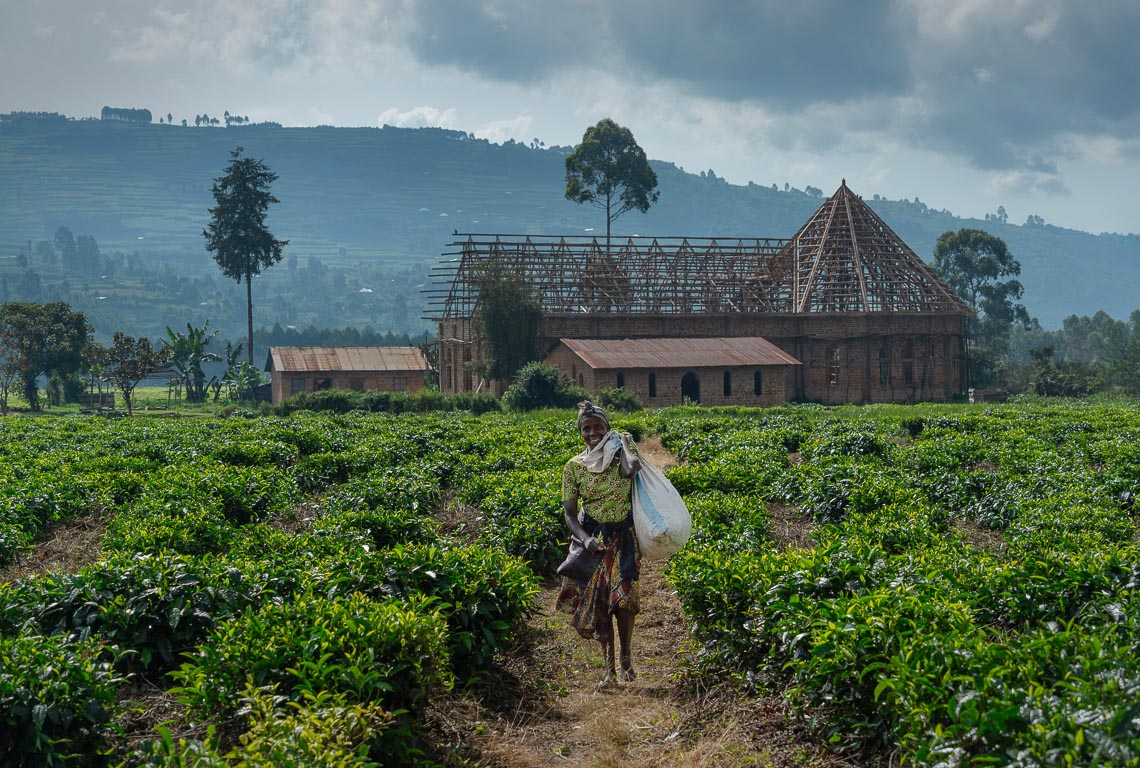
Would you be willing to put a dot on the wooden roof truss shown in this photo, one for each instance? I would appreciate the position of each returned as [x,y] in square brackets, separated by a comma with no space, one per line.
[844,259]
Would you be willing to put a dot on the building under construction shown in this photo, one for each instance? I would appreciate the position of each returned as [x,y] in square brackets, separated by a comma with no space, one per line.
[862,318]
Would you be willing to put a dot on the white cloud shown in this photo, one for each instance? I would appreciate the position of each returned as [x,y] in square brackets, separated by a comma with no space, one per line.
[418,117]
[519,128]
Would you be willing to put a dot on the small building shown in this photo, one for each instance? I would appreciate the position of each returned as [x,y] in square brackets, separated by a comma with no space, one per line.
[310,369]
[743,370]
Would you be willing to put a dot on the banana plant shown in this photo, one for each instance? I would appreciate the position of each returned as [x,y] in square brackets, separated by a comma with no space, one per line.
[187,354]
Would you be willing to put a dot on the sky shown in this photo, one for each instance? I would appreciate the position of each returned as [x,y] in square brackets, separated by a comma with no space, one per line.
[1033,105]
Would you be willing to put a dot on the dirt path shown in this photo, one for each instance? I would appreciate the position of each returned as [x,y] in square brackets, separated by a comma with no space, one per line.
[545,708]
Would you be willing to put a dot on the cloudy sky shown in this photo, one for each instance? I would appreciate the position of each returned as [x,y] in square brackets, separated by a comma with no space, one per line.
[967,104]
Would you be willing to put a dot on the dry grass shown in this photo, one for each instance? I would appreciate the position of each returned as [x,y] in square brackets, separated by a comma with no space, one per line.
[980,537]
[60,548]
[657,454]
[790,529]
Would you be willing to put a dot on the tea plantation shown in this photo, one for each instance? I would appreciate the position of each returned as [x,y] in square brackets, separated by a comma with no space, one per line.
[303,586]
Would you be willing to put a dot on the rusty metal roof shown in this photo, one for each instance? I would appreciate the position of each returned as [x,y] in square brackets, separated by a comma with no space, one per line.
[678,353]
[358,359]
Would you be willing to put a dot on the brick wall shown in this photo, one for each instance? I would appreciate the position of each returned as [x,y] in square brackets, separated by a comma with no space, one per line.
[286,384]
[668,381]
[840,353]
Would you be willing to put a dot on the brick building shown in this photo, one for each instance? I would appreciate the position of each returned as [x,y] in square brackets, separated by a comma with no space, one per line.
[723,371]
[309,369]
[867,319]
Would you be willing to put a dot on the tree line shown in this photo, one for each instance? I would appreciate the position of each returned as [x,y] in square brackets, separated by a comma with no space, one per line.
[54,342]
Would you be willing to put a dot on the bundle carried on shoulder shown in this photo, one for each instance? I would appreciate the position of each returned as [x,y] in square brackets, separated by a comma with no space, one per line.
[660,518]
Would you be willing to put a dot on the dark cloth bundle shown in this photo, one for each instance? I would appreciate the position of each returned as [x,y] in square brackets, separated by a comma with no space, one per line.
[580,563]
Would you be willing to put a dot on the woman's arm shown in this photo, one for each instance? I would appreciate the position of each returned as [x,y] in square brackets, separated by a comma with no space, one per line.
[630,464]
[570,516]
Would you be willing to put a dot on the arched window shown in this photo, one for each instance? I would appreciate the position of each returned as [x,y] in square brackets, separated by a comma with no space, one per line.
[727,383]
[620,379]
[652,384]
[757,383]
[690,388]
[581,379]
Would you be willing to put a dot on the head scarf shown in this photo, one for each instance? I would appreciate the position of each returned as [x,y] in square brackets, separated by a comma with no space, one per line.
[586,409]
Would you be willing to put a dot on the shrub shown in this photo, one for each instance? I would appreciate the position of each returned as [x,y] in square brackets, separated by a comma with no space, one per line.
[478,403]
[483,594]
[55,698]
[538,385]
[335,400]
[392,653]
[322,729]
[153,607]
[619,400]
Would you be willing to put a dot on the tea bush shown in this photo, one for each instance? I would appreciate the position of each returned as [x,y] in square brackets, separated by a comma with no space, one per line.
[393,653]
[481,593]
[56,698]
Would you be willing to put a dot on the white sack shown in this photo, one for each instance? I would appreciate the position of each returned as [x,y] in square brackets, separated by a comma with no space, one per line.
[660,518]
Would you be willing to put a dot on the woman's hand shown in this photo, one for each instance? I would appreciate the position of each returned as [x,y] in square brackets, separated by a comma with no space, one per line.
[594,544]
[630,464]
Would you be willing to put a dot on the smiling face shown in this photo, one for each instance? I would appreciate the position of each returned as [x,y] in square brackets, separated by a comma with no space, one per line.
[593,430]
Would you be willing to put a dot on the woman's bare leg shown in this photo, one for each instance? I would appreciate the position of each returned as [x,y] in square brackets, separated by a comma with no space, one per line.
[606,638]
[625,635]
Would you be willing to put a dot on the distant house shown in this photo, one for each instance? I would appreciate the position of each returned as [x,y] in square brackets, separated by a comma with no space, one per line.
[712,371]
[309,369]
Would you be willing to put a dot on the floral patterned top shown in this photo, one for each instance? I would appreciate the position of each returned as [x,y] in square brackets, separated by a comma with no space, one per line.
[604,495]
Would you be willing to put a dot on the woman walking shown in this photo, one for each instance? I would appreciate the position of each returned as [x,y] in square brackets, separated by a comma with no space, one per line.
[597,507]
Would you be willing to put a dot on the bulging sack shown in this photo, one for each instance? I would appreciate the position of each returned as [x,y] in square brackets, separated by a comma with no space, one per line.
[660,518]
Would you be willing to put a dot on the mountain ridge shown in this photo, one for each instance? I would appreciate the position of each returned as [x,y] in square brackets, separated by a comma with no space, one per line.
[380,204]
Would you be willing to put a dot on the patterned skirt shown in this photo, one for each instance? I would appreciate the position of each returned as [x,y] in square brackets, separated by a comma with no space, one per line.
[591,604]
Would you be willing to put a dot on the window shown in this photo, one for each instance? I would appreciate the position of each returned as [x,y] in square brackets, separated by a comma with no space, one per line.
[653,385]
[581,379]
[400,384]
[833,365]
[297,385]
[757,383]
[320,384]
[727,383]
[908,372]
[884,366]
[356,384]
[620,380]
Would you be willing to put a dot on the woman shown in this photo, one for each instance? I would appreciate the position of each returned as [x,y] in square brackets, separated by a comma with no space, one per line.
[597,508]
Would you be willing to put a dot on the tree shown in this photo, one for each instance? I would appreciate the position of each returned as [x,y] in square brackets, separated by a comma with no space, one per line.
[507,318]
[9,364]
[48,340]
[610,171]
[128,360]
[974,264]
[237,236]
[88,258]
[233,352]
[65,243]
[187,353]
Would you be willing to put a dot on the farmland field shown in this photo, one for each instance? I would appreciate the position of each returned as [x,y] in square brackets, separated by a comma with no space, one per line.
[960,588]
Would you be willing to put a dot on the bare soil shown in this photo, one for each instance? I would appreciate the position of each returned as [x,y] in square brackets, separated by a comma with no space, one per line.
[544,706]
[60,547]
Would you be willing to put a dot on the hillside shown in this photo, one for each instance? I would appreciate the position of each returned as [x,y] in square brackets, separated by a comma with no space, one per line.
[368,211]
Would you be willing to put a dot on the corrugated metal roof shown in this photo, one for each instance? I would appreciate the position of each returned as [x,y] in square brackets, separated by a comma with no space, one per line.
[362,359]
[678,353]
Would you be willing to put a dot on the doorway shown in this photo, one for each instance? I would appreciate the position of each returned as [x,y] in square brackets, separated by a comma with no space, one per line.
[690,387]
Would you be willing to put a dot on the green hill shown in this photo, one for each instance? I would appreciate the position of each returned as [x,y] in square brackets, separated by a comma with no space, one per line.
[368,211]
